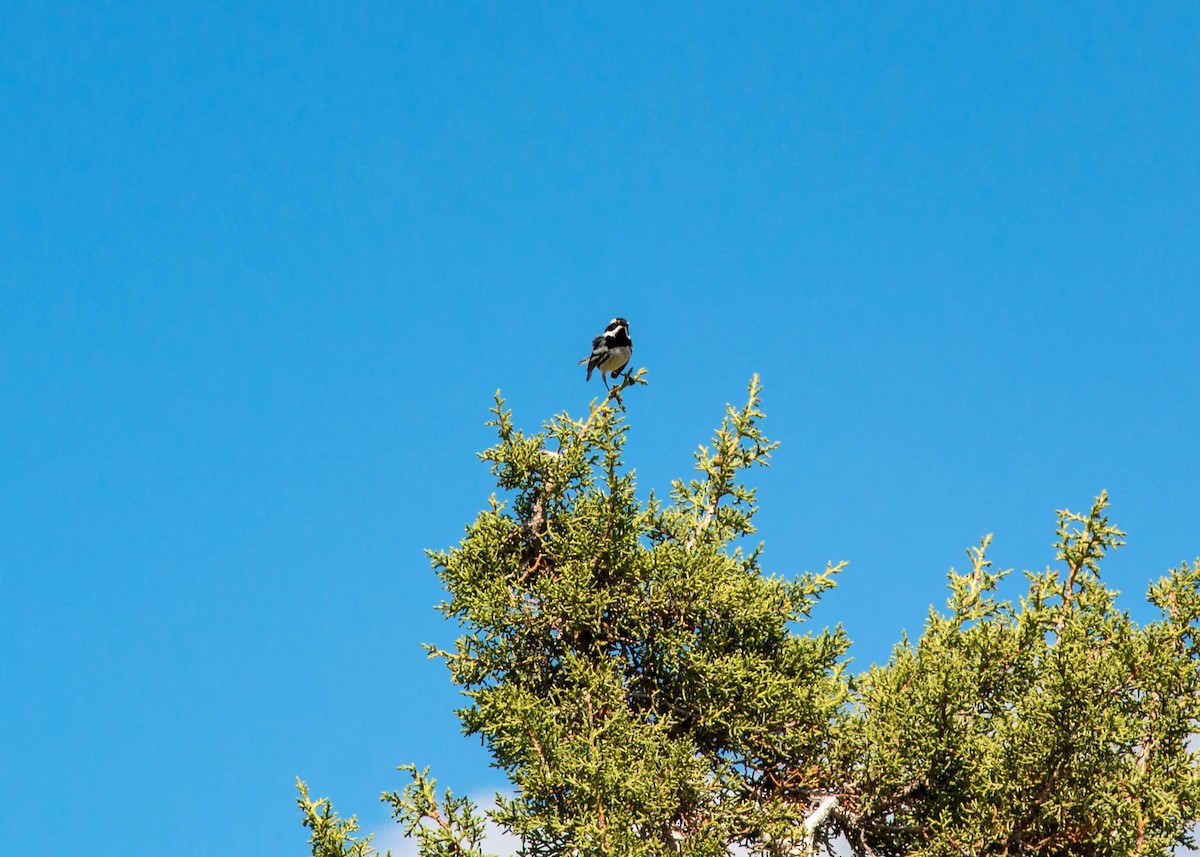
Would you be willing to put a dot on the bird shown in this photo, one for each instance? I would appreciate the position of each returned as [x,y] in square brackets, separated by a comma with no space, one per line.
[611,350]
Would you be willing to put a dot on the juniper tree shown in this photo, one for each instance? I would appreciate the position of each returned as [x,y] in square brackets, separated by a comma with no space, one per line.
[1053,727]
[628,664]
[649,689]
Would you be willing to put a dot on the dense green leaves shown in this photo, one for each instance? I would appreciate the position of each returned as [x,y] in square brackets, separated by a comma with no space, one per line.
[649,689]
[1056,726]
[627,664]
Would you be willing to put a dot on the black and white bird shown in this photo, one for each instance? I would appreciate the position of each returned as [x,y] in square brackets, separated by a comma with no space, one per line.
[611,350]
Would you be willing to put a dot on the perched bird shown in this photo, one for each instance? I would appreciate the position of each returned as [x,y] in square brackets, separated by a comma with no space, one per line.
[611,350]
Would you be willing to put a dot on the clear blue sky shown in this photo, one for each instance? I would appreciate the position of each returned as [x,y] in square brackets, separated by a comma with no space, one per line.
[262,267]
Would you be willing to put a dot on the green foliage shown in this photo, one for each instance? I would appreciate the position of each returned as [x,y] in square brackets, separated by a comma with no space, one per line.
[331,836]
[1056,726]
[628,665]
[649,689]
[451,827]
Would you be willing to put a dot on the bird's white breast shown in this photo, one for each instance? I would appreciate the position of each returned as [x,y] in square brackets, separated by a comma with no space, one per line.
[618,356]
